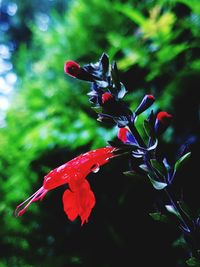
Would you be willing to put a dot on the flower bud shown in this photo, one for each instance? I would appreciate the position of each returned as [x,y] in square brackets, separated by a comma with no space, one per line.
[147,101]
[122,134]
[106,97]
[163,120]
[126,136]
[72,68]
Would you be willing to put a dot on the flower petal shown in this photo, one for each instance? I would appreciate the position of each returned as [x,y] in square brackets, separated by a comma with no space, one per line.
[79,202]
[70,205]
[87,202]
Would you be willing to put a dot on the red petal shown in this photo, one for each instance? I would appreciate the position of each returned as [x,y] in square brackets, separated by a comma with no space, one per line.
[79,202]
[86,201]
[86,205]
[70,205]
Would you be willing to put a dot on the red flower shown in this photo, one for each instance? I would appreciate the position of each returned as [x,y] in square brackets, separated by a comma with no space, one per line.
[72,68]
[79,199]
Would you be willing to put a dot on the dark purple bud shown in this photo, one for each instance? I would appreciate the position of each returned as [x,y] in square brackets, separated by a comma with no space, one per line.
[72,68]
[125,136]
[163,120]
[147,101]
[122,134]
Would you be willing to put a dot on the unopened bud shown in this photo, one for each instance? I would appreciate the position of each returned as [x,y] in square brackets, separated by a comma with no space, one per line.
[147,101]
[72,68]
[163,120]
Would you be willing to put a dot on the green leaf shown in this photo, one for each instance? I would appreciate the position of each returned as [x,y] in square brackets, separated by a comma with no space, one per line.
[158,216]
[179,163]
[194,262]
[157,185]
[158,166]
[131,173]
[180,242]
[131,13]
[147,127]
[97,109]
[134,174]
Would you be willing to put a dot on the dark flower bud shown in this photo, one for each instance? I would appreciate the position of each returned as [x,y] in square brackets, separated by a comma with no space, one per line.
[107,97]
[122,134]
[163,120]
[72,68]
[147,101]
[125,136]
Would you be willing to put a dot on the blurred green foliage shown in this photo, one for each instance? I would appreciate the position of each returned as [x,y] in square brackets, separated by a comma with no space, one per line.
[156,45]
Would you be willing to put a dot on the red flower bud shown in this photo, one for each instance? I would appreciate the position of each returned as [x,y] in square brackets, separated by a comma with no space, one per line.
[122,134]
[164,117]
[163,120]
[72,68]
[146,102]
[106,97]
[151,97]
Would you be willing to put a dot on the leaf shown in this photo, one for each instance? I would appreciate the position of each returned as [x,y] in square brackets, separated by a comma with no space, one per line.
[130,173]
[147,127]
[172,210]
[194,262]
[144,167]
[102,84]
[134,174]
[180,242]
[157,185]
[115,76]
[97,109]
[131,13]
[158,216]
[179,163]
[184,207]
[122,92]
[104,63]
[158,166]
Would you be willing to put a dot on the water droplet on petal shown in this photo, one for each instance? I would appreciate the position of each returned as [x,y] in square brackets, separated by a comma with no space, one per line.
[95,168]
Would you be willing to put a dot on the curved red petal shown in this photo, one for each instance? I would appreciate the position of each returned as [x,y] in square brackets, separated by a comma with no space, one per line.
[70,205]
[79,202]
[87,203]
